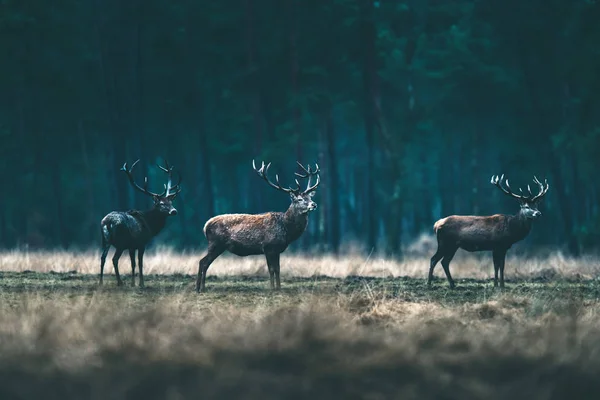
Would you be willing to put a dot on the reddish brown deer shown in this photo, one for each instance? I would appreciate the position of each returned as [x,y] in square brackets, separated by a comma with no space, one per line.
[133,229]
[269,233]
[495,233]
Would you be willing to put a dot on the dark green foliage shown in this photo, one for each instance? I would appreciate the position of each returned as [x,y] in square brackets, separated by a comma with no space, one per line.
[423,111]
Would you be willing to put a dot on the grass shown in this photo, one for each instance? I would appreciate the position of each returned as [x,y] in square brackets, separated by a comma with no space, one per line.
[348,327]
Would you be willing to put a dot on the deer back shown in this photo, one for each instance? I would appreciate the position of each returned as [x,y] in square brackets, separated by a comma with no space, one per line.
[129,229]
[246,234]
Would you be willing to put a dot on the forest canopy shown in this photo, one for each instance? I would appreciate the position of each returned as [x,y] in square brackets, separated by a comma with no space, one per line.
[409,107]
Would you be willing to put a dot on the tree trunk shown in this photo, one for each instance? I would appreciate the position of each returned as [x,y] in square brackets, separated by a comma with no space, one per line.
[369,87]
[108,44]
[91,222]
[254,91]
[333,192]
[138,98]
[58,198]
[475,181]
[208,196]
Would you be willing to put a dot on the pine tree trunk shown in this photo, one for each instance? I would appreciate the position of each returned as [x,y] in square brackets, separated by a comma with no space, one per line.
[254,91]
[333,192]
[369,87]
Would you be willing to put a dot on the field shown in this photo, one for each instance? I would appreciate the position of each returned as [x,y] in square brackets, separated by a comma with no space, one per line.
[356,326]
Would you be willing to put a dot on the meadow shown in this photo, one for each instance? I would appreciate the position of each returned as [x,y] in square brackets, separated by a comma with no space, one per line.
[353,326]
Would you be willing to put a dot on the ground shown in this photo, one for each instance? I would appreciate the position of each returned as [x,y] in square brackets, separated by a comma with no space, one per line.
[348,327]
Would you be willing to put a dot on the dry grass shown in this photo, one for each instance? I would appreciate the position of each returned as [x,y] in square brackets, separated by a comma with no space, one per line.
[344,337]
[163,260]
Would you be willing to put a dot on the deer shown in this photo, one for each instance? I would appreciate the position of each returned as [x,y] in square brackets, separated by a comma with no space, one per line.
[132,230]
[268,233]
[496,233]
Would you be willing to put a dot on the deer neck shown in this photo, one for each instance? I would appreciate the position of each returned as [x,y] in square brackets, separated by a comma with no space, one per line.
[519,226]
[153,220]
[295,223]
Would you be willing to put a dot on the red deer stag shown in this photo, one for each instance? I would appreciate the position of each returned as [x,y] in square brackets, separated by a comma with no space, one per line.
[133,229]
[495,233]
[253,234]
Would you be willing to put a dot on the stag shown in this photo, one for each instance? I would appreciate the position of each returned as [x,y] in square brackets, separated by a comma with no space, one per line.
[133,229]
[269,233]
[496,233]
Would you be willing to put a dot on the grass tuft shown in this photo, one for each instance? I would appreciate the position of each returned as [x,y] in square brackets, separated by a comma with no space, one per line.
[339,328]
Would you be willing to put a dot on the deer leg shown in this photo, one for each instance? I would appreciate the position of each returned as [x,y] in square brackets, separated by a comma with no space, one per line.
[434,260]
[277,281]
[273,264]
[102,261]
[271,271]
[212,254]
[499,256]
[502,272]
[446,264]
[132,257]
[141,251]
[496,269]
[115,260]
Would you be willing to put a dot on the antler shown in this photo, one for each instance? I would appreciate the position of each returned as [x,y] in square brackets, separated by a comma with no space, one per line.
[264,170]
[168,187]
[132,181]
[543,189]
[309,174]
[530,198]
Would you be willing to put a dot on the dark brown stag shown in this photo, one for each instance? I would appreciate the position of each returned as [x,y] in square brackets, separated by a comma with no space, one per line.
[269,233]
[132,230]
[495,233]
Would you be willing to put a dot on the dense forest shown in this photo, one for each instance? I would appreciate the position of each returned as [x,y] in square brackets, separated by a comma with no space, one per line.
[408,107]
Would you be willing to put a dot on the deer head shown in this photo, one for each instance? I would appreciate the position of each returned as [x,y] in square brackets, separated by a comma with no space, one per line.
[162,201]
[301,199]
[529,203]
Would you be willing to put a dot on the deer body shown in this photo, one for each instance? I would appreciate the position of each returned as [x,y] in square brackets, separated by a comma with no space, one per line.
[477,233]
[496,233]
[254,234]
[132,230]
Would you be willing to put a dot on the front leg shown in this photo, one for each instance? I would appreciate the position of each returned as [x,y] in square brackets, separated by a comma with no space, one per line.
[499,256]
[273,265]
[141,251]
[132,257]
[115,260]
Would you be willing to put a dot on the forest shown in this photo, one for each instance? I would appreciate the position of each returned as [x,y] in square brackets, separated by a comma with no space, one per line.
[408,106]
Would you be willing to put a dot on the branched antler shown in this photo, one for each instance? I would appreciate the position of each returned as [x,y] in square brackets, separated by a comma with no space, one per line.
[144,189]
[497,181]
[309,174]
[264,170]
[170,191]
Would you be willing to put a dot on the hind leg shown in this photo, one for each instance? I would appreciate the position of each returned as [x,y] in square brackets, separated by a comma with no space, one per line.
[434,260]
[446,265]
[211,255]
[499,257]
[141,251]
[132,257]
[105,249]
[115,260]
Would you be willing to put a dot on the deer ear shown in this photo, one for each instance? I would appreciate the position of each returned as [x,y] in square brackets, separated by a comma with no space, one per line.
[311,194]
[293,196]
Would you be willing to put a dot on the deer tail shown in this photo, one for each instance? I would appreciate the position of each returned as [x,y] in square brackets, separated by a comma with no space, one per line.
[438,225]
[105,233]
